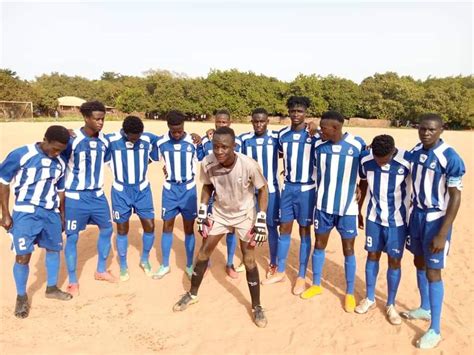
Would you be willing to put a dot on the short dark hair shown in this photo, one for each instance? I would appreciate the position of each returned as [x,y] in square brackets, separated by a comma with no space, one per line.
[225,130]
[132,124]
[382,145]
[222,111]
[332,115]
[175,118]
[90,106]
[57,134]
[298,101]
[431,117]
[259,110]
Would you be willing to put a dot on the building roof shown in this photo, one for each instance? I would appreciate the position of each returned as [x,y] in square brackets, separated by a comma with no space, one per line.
[70,101]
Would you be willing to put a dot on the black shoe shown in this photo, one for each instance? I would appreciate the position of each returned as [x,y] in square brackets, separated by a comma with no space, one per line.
[259,317]
[22,308]
[186,300]
[55,293]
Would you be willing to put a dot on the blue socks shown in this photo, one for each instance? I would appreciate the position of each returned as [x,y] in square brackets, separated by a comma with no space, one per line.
[393,280]
[52,267]
[371,272]
[305,250]
[70,252]
[166,242]
[273,243]
[350,270]
[189,242]
[20,274]
[231,242]
[319,255]
[103,247]
[148,240]
[436,298]
[422,282]
[122,246]
[282,251]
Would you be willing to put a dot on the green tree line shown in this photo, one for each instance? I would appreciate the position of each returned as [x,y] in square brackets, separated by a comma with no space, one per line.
[380,96]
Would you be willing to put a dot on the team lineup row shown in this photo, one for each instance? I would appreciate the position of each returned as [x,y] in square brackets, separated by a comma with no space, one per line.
[58,184]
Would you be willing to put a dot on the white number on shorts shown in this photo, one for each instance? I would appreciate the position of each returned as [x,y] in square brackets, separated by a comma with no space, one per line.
[316,223]
[116,215]
[408,240]
[71,225]
[163,212]
[21,243]
[369,241]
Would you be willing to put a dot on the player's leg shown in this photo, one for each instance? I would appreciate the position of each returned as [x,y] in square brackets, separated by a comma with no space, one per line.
[347,228]
[121,242]
[189,245]
[323,223]
[231,245]
[121,212]
[143,206]
[21,270]
[202,260]
[166,244]
[100,215]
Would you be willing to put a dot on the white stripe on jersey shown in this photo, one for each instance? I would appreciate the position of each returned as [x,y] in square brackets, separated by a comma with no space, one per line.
[131,166]
[321,190]
[332,182]
[398,200]
[427,185]
[271,177]
[372,215]
[306,157]
[141,162]
[345,182]
[294,160]
[118,168]
[92,168]
[383,191]
[177,165]
[30,178]
[82,167]
[39,189]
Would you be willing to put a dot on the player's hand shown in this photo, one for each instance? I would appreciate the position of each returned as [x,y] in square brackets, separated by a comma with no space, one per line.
[210,133]
[437,244]
[6,222]
[203,223]
[312,128]
[196,138]
[259,229]
[361,221]
[165,172]
[358,193]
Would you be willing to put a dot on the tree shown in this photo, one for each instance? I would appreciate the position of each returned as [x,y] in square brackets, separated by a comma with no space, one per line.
[310,86]
[342,95]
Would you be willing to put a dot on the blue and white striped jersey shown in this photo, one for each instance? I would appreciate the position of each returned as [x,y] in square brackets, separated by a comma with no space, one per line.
[337,167]
[130,160]
[264,150]
[433,171]
[36,177]
[298,155]
[389,187]
[180,156]
[207,145]
[85,157]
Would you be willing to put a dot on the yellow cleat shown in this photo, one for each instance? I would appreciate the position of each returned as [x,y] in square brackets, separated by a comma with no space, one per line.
[349,303]
[314,290]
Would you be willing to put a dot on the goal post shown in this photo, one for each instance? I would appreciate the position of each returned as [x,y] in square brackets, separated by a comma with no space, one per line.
[16,109]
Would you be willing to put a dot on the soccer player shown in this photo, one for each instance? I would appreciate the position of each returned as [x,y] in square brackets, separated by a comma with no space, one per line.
[385,170]
[131,151]
[179,195]
[262,146]
[337,159]
[86,154]
[233,177]
[437,172]
[37,171]
[222,119]
[298,195]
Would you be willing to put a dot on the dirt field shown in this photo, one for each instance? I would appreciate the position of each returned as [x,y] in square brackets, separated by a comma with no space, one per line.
[136,316]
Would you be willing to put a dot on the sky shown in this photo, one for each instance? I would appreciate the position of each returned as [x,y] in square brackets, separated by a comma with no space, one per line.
[282,39]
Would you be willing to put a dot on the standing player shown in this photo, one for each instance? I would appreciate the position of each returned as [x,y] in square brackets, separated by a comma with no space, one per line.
[86,153]
[38,175]
[222,119]
[131,151]
[179,195]
[385,171]
[337,159]
[262,146]
[437,172]
[297,198]
[233,177]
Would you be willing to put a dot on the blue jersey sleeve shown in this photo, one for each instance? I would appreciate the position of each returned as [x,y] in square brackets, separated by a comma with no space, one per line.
[66,153]
[11,165]
[238,145]
[154,151]
[455,169]
[362,142]
[362,172]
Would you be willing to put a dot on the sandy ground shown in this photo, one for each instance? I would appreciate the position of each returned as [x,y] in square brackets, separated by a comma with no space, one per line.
[136,316]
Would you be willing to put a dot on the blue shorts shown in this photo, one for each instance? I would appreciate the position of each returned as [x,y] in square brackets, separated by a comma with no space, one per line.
[273,209]
[131,199]
[179,198]
[42,227]
[325,222]
[297,202]
[387,239]
[88,209]
[422,228]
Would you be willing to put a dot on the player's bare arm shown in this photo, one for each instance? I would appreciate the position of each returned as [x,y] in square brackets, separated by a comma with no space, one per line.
[361,193]
[62,209]
[439,241]
[6,221]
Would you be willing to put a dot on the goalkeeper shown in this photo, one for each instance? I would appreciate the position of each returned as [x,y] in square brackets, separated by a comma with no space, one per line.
[234,178]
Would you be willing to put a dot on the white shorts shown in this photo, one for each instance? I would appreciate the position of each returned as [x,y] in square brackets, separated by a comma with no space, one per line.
[241,230]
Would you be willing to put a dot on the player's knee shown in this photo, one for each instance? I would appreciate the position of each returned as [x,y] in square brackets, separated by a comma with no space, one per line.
[72,238]
[249,261]
[149,226]
[23,259]
[203,254]
[394,263]
[419,262]
[433,275]
[106,232]
[373,256]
